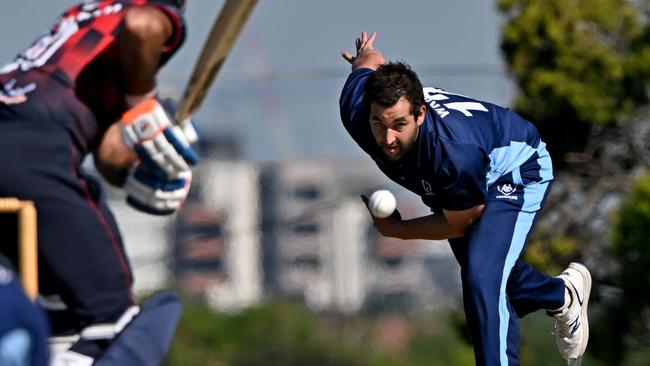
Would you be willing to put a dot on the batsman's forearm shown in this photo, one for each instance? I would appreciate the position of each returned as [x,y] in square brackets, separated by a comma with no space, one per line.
[432,227]
[113,158]
[115,176]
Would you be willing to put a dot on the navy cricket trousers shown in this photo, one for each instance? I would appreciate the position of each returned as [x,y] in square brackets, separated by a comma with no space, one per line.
[497,285]
[81,255]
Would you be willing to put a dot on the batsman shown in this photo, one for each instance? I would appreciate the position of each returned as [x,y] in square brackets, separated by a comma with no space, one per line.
[88,87]
[485,173]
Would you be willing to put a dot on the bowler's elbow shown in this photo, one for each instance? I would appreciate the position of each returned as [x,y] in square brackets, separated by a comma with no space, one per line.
[461,221]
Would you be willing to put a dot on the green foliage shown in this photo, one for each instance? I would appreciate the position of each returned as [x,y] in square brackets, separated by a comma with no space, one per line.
[577,63]
[632,232]
[628,314]
[283,334]
[630,241]
[552,254]
[440,348]
[537,341]
[277,334]
[538,345]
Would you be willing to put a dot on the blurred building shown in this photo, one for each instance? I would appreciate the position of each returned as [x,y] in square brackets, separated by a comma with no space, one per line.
[320,246]
[314,231]
[218,254]
[410,275]
[199,248]
[296,229]
[210,247]
[148,244]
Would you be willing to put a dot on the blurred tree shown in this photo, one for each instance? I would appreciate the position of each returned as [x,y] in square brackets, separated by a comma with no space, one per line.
[629,314]
[285,334]
[444,343]
[276,334]
[578,64]
[550,253]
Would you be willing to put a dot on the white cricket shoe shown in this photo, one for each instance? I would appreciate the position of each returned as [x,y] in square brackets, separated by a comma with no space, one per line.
[571,323]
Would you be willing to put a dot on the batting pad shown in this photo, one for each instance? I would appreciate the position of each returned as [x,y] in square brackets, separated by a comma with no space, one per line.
[146,340]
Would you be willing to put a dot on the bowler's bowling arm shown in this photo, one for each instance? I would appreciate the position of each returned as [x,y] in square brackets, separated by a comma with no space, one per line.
[448,225]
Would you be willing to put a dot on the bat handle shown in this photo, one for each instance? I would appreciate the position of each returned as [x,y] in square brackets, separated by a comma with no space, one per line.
[187,128]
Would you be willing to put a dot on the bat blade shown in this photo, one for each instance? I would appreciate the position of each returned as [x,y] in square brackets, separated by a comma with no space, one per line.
[225,30]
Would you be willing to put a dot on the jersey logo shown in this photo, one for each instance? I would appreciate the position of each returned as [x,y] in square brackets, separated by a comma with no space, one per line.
[506,190]
[427,188]
[144,128]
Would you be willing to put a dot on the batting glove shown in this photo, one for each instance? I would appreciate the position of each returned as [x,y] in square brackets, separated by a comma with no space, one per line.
[155,194]
[161,145]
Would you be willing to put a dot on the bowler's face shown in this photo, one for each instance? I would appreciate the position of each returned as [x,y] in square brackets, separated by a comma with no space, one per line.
[395,128]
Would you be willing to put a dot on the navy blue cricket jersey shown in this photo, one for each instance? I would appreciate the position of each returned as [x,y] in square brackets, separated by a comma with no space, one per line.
[464,146]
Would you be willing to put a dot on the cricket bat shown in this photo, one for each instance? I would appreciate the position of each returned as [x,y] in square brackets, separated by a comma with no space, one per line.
[217,46]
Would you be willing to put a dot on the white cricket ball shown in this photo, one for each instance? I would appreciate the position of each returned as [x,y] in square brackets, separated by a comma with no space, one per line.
[382,203]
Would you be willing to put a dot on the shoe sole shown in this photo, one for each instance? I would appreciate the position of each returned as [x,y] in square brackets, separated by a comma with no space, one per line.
[586,277]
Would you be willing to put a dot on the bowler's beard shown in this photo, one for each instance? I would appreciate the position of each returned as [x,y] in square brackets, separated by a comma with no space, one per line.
[404,148]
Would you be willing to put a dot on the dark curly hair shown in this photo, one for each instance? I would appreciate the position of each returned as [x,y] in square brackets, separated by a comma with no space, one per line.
[392,81]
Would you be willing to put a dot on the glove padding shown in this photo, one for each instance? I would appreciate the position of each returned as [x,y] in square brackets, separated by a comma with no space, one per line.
[154,194]
[162,146]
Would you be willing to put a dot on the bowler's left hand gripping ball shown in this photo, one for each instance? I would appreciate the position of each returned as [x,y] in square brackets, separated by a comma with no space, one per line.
[382,203]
